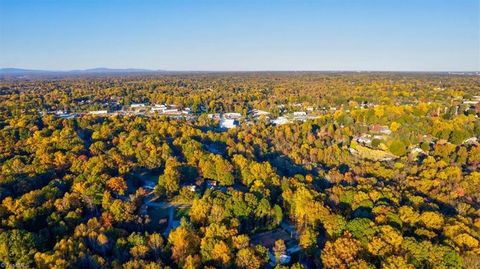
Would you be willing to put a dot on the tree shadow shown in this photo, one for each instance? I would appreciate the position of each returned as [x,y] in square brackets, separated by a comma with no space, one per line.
[285,166]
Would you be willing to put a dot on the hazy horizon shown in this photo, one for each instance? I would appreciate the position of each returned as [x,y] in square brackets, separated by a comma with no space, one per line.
[408,36]
[140,69]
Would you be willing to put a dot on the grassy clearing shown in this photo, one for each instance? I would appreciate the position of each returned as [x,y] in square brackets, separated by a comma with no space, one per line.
[371,154]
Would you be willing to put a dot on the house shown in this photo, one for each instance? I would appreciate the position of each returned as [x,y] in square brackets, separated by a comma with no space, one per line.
[364,139]
[417,150]
[214,116]
[376,128]
[191,188]
[211,184]
[284,259]
[471,141]
[228,123]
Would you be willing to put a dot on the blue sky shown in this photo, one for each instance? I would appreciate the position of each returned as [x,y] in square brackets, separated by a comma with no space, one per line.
[406,35]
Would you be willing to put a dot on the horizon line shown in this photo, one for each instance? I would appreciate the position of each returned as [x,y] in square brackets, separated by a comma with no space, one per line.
[139,70]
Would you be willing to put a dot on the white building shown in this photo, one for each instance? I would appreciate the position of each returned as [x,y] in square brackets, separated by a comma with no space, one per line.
[214,116]
[98,112]
[159,108]
[137,105]
[299,113]
[364,139]
[171,111]
[258,113]
[191,188]
[67,116]
[149,185]
[280,120]
[228,123]
[471,141]
[232,115]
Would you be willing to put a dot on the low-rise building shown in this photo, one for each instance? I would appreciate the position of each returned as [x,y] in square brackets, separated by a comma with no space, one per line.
[471,141]
[256,113]
[158,108]
[299,113]
[98,112]
[281,120]
[214,116]
[139,105]
[171,111]
[232,115]
[376,128]
[191,188]
[211,184]
[364,139]
[228,123]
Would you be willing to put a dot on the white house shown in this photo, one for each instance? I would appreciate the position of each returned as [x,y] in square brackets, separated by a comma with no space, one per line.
[191,188]
[471,141]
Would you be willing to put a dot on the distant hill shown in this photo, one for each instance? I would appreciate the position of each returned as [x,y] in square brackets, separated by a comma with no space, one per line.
[100,70]
[111,70]
[18,71]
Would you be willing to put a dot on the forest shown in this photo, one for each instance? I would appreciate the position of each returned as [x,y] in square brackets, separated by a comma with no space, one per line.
[364,170]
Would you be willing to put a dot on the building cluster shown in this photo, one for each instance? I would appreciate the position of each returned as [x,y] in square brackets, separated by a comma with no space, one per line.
[376,132]
[472,104]
[162,109]
[226,121]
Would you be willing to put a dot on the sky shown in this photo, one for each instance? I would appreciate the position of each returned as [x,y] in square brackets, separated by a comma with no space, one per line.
[241,35]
